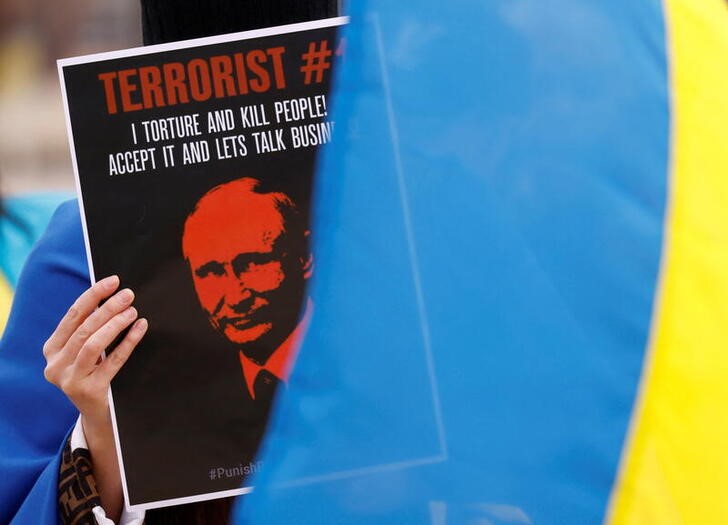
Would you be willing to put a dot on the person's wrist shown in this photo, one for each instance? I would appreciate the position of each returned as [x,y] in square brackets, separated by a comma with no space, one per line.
[99,436]
[97,429]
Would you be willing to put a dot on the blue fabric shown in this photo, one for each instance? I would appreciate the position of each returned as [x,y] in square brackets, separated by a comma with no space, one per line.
[26,217]
[488,234]
[35,416]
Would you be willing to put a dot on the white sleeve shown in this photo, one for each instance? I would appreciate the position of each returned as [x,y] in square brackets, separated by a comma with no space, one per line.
[78,440]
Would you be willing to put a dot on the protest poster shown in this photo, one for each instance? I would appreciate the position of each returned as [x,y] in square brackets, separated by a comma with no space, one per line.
[194,164]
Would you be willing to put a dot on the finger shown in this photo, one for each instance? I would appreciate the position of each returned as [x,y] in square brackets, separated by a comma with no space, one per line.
[92,349]
[116,359]
[118,303]
[78,312]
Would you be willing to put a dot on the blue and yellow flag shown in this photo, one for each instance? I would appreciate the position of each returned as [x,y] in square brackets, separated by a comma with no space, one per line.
[521,273]
[23,219]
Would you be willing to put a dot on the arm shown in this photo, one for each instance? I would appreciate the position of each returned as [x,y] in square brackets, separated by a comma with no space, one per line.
[78,496]
[73,352]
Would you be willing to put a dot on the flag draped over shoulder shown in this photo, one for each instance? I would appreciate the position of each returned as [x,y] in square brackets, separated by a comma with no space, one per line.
[521,272]
[35,416]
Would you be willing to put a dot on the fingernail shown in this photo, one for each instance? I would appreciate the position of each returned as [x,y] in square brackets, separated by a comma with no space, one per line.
[126,295]
[141,325]
[110,282]
[130,313]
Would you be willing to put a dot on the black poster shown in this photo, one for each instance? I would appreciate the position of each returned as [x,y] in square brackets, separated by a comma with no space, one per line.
[194,165]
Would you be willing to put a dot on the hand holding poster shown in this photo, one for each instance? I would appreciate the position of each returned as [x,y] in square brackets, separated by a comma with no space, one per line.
[194,166]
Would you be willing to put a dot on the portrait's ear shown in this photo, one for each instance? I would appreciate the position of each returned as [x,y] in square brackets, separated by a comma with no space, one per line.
[307,261]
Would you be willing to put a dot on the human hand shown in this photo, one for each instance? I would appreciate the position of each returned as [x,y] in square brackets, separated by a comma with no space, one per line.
[73,352]
[73,355]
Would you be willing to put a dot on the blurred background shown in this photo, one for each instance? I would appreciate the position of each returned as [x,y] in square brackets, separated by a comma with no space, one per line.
[36,173]
[34,154]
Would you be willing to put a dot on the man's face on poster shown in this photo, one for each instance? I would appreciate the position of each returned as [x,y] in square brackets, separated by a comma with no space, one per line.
[248,268]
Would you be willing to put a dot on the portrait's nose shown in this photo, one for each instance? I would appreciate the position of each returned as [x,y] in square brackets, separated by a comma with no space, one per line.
[237,294]
[246,280]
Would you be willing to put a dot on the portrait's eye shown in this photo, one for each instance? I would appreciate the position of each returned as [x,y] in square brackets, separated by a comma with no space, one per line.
[250,261]
[211,268]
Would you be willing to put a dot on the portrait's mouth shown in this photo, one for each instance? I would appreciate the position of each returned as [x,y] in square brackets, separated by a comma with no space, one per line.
[239,322]
[244,322]
[244,329]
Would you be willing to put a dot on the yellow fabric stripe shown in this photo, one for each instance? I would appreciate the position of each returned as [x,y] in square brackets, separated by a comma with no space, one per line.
[675,467]
[6,299]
